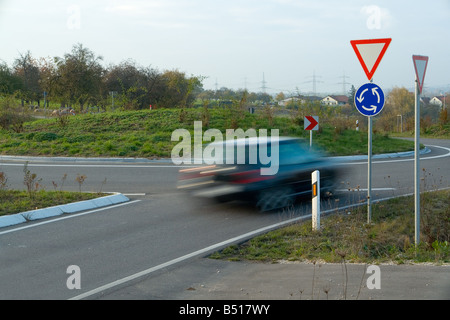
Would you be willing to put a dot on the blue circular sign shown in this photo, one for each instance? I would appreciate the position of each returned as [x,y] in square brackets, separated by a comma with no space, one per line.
[369,99]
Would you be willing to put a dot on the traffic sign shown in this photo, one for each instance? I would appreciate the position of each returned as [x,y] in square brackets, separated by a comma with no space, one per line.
[311,123]
[369,53]
[369,99]
[420,65]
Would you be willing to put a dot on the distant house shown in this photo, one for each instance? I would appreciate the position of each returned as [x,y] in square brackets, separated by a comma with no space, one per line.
[289,101]
[437,100]
[299,99]
[335,100]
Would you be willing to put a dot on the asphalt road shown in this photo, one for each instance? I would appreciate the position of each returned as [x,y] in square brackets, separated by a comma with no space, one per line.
[121,251]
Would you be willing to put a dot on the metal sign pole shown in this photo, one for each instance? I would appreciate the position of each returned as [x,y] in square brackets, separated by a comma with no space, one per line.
[417,166]
[369,168]
[369,172]
[420,66]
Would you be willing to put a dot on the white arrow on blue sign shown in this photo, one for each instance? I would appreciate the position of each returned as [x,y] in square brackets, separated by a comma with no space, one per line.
[369,99]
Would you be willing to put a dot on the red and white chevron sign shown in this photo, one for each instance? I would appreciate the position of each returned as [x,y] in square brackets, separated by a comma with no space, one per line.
[311,123]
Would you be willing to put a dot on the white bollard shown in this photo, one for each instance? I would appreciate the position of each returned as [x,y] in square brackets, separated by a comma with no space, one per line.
[315,180]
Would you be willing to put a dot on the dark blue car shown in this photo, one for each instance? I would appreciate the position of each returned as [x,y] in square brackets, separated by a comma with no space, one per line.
[241,176]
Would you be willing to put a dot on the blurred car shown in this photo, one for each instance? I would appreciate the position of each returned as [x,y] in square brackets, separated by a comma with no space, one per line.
[244,181]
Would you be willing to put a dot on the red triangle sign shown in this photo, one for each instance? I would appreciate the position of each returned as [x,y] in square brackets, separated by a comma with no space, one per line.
[420,65]
[369,53]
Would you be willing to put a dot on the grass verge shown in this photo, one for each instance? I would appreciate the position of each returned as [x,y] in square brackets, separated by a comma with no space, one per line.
[147,133]
[16,201]
[390,238]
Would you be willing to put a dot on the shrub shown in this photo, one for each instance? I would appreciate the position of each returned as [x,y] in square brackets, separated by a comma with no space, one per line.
[12,116]
[45,136]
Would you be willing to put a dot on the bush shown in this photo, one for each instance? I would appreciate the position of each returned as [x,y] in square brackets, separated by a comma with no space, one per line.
[12,116]
[45,136]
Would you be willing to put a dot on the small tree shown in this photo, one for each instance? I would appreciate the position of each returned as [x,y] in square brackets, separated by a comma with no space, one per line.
[31,181]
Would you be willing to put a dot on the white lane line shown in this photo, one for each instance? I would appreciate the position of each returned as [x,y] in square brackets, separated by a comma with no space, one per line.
[127,165]
[402,160]
[93,165]
[68,217]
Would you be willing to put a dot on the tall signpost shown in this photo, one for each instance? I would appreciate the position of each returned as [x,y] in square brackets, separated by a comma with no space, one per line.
[369,98]
[420,66]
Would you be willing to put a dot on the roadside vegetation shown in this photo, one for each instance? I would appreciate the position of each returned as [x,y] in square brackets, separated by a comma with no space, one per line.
[16,201]
[33,196]
[147,133]
[346,236]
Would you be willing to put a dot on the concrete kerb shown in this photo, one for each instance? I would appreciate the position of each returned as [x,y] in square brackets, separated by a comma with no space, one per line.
[384,156]
[10,220]
[168,160]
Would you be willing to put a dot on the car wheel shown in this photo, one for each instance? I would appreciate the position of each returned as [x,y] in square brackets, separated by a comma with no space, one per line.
[275,198]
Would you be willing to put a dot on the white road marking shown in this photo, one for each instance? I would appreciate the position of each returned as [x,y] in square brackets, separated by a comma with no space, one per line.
[127,165]
[68,217]
[402,160]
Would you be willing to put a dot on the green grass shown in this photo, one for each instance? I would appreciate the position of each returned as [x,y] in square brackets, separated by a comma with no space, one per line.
[435,131]
[390,238]
[16,201]
[148,134]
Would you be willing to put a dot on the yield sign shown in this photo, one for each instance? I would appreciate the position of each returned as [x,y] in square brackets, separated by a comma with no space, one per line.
[369,53]
[311,123]
[420,65]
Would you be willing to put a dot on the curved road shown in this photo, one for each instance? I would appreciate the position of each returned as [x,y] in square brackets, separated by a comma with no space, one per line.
[160,228]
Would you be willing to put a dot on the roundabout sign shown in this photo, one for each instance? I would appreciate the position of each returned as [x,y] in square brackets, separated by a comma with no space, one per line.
[369,99]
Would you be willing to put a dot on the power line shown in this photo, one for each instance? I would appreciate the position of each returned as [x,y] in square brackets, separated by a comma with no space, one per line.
[263,87]
[314,82]
[344,89]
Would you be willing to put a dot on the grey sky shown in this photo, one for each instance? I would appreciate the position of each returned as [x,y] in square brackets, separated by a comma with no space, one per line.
[236,42]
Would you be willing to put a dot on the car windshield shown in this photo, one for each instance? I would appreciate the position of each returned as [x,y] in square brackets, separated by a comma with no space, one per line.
[292,151]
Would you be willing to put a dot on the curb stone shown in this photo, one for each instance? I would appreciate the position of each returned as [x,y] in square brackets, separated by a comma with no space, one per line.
[168,160]
[13,219]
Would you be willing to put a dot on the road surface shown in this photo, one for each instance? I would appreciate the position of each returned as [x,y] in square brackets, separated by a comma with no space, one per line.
[122,250]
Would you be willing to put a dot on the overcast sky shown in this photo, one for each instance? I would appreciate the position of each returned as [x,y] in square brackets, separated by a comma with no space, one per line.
[234,43]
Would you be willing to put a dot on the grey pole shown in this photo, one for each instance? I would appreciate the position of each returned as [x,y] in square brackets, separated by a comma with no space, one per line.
[369,169]
[417,166]
[369,172]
